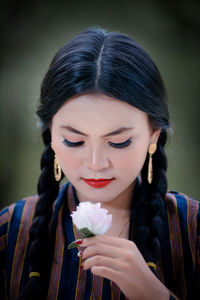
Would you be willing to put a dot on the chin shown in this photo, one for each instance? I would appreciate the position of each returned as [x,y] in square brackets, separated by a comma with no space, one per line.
[98,195]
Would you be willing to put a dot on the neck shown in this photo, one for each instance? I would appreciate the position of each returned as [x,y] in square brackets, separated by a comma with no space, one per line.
[120,206]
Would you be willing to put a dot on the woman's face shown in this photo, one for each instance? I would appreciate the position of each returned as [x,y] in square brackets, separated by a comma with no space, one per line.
[98,137]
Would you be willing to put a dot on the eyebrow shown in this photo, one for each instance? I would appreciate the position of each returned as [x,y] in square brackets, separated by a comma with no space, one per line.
[115,132]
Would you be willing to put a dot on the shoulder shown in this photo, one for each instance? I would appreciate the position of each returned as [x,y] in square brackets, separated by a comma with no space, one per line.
[21,212]
[23,208]
[16,219]
[179,201]
[14,216]
[184,210]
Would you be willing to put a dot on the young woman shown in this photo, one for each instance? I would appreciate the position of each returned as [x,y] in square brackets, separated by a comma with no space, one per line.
[104,118]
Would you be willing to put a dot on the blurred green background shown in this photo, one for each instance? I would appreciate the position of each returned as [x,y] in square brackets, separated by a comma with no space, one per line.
[31,33]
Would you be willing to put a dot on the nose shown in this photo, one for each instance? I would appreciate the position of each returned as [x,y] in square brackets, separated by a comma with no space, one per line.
[96,159]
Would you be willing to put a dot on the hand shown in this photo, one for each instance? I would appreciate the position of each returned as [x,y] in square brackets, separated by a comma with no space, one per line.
[119,260]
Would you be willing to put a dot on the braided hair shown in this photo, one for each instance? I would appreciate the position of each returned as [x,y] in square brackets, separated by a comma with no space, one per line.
[149,205]
[47,190]
[114,65]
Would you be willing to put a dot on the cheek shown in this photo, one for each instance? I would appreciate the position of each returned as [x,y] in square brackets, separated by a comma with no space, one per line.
[132,161]
[68,159]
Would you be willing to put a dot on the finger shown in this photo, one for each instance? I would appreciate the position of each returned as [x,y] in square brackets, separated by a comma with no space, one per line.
[108,240]
[103,250]
[106,272]
[99,260]
[124,257]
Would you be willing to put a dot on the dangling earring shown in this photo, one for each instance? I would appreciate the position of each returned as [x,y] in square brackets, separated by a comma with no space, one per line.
[57,169]
[152,150]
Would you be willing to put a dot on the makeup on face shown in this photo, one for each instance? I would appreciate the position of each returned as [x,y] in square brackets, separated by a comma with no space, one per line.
[101,153]
[98,183]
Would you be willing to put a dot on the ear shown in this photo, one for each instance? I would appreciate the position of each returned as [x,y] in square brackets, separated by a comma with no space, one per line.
[155,135]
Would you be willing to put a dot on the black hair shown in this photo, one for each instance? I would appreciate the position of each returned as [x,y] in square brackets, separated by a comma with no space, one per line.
[114,65]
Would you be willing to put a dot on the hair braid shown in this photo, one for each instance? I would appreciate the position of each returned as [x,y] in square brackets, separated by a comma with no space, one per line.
[39,234]
[150,204]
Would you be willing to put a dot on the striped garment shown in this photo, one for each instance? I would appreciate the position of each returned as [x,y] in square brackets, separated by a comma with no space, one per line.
[178,268]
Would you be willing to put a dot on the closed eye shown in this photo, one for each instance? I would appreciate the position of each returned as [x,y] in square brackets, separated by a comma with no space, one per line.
[72,144]
[114,145]
[120,145]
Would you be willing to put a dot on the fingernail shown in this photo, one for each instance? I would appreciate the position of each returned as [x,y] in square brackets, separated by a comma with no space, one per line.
[79,254]
[78,242]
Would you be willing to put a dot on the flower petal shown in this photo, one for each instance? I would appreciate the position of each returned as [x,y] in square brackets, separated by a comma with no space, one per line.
[92,217]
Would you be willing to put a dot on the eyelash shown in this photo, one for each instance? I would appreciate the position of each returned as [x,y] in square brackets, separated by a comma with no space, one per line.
[114,145]
[121,145]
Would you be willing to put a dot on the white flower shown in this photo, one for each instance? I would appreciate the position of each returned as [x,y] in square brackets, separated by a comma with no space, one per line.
[92,217]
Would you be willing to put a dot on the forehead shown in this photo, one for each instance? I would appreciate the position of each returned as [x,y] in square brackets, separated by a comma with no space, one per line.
[95,109]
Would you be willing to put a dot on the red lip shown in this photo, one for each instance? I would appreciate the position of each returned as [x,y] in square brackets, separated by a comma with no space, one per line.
[98,183]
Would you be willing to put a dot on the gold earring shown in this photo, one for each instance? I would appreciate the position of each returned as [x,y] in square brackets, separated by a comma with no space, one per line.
[57,169]
[152,150]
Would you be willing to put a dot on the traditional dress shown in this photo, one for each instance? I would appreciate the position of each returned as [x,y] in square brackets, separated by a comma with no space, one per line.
[178,268]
